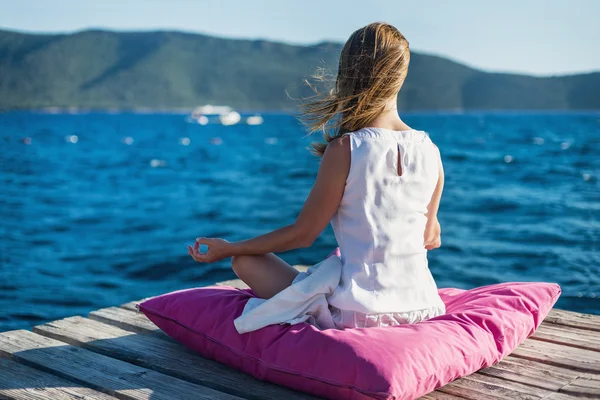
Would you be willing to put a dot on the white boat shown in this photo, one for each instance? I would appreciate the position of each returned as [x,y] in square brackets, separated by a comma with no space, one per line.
[209,109]
[255,120]
[222,114]
[209,113]
[230,118]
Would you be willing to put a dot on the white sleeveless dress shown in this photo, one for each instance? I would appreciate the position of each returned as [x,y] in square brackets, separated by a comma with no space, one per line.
[379,227]
[382,277]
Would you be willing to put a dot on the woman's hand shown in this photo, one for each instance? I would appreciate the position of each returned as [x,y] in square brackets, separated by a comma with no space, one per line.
[218,249]
[433,232]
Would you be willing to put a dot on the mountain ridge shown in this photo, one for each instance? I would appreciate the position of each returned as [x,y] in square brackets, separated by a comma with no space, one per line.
[104,69]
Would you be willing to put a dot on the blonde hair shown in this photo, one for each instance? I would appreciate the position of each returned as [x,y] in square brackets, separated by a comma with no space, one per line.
[372,68]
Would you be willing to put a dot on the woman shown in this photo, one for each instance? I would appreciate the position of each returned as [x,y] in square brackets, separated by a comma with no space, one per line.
[379,184]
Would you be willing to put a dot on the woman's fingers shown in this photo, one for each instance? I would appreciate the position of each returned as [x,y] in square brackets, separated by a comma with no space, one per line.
[200,257]
[197,256]
[203,240]
[434,244]
[217,249]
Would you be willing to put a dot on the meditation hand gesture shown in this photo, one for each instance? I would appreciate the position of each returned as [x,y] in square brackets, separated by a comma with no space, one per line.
[218,249]
[433,232]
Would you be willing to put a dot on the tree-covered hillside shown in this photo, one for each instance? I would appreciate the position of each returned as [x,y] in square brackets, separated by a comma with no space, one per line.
[101,69]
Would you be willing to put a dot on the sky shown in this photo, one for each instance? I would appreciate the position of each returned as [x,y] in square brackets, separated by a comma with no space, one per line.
[538,37]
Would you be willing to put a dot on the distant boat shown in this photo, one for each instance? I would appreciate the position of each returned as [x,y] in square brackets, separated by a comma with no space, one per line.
[224,115]
[204,114]
[255,120]
[209,109]
[230,118]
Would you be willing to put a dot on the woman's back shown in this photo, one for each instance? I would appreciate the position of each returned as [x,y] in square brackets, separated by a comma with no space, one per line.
[379,227]
[379,188]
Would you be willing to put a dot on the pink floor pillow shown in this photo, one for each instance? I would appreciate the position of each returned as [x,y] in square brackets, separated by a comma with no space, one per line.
[481,326]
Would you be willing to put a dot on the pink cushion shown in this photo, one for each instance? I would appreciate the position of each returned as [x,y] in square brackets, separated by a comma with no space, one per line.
[481,326]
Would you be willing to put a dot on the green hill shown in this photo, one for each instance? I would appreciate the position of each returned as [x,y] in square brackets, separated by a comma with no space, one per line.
[102,69]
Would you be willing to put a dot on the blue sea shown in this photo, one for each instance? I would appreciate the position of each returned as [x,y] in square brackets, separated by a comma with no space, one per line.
[97,208]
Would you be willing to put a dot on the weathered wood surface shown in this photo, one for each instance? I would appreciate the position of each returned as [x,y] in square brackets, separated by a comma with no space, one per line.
[568,336]
[118,353]
[20,382]
[105,374]
[167,357]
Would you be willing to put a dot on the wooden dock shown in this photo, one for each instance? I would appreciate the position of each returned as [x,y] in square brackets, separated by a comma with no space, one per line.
[118,353]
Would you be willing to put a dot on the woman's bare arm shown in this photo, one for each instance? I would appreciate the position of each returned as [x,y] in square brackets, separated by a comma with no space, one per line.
[319,208]
[433,230]
[434,204]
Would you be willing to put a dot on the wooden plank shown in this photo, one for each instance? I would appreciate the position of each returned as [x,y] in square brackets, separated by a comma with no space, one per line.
[531,373]
[479,386]
[132,305]
[573,319]
[128,320]
[560,396]
[558,355]
[569,336]
[105,374]
[440,396]
[20,382]
[583,386]
[169,358]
